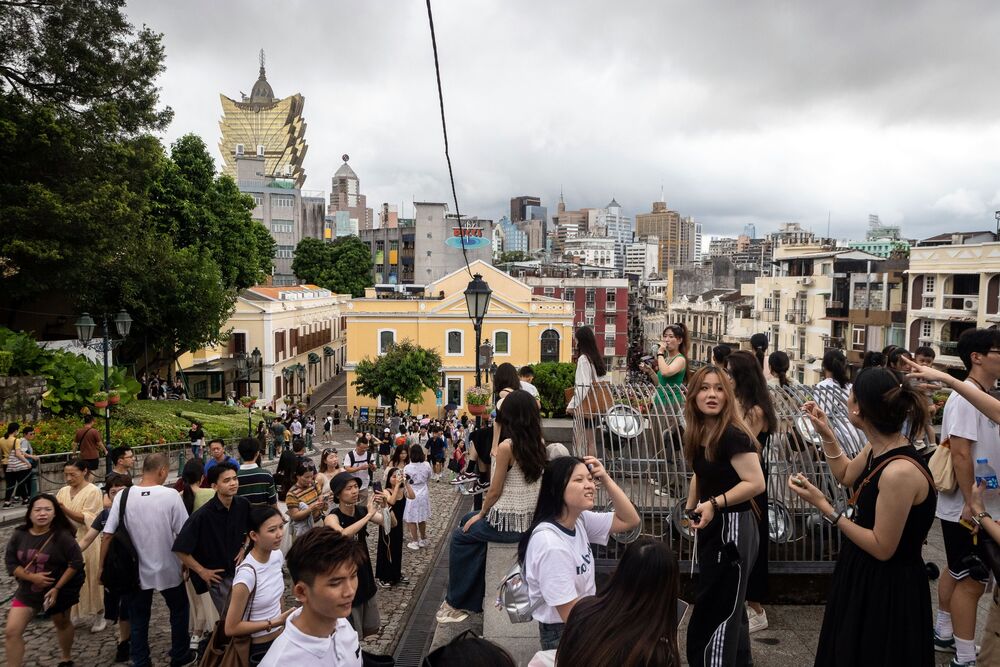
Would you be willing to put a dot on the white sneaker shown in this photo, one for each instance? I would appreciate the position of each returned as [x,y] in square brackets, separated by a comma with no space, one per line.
[413,545]
[758,622]
[424,543]
[100,624]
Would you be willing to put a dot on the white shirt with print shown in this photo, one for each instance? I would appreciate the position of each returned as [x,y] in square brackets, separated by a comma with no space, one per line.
[962,420]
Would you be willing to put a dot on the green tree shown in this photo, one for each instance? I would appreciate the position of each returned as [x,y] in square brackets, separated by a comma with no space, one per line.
[513,256]
[405,372]
[344,266]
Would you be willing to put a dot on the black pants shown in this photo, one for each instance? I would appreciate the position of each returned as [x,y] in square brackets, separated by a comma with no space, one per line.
[18,485]
[719,632]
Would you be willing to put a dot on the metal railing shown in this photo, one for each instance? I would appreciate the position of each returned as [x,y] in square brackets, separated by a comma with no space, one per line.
[639,439]
[48,472]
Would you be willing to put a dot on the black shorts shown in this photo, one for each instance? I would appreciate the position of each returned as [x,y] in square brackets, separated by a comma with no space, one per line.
[90,463]
[959,549]
[385,449]
[437,458]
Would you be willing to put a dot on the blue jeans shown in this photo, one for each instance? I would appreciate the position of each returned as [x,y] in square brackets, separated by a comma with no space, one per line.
[139,606]
[467,565]
[549,634]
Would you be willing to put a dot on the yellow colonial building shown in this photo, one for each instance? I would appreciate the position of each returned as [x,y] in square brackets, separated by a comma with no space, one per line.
[522,328]
[299,333]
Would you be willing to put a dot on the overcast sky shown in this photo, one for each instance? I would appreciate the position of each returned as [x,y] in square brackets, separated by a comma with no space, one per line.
[758,112]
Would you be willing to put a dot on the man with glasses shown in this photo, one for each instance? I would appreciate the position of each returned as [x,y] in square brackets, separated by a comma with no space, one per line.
[122,460]
[971,436]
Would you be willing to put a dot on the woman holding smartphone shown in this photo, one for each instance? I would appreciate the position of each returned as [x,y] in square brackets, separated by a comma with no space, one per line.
[389,556]
[724,455]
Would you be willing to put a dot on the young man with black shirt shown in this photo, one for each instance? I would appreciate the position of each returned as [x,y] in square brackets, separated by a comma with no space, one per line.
[255,483]
[197,436]
[437,449]
[214,539]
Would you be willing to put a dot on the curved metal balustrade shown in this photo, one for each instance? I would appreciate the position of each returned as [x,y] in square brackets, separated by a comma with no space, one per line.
[637,435]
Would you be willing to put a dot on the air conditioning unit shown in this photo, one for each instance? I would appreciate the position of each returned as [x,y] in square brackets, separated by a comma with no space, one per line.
[789,317]
[260,150]
[239,149]
[288,170]
[755,314]
[970,304]
[805,281]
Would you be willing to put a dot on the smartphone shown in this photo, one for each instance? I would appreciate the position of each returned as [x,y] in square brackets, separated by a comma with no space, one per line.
[377,487]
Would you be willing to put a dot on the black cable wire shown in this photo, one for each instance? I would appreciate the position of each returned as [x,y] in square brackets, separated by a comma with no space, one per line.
[444,130]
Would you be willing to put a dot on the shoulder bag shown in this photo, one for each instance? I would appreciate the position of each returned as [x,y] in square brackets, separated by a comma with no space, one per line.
[942,469]
[121,565]
[512,593]
[223,651]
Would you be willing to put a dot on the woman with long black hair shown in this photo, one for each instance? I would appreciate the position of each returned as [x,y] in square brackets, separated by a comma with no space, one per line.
[724,455]
[779,364]
[45,559]
[878,611]
[554,553]
[590,369]
[835,370]
[753,401]
[602,629]
[389,554]
[507,509]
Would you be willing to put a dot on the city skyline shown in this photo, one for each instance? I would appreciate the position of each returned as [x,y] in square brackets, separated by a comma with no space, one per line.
[757,115]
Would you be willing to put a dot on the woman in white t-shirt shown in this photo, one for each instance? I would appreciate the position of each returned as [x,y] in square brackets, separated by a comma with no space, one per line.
[590,370]
[258,587]
[554,553]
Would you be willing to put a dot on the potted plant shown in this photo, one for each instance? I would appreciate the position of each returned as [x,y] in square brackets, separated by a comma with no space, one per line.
[477,400]
[6,360]
[301,405]
[288,400]
[100,399]
[114,396]
[248,401]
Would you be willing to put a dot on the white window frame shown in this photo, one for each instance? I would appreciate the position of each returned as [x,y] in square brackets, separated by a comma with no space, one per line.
[497,353]
[378,340]
[589,320]
[461,388]
[857,329]
[930,282]
[926,329]
[928,302]
[447,350]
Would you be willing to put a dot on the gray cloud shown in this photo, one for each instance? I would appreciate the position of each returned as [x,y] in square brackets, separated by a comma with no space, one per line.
[742,111]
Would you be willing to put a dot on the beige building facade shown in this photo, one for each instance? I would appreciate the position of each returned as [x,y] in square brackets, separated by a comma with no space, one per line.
[300,333]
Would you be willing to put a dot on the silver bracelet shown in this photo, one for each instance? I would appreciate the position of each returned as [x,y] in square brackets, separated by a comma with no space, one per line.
[830,458]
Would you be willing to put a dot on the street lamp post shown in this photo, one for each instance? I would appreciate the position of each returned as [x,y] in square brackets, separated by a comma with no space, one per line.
[247,365]
[477,300]
[105,344]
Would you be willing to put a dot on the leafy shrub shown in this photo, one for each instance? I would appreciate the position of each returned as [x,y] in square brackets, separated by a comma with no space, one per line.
[552,379]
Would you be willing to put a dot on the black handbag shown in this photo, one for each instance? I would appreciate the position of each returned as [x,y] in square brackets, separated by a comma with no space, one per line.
[990,553]
[372,660]
[121,565]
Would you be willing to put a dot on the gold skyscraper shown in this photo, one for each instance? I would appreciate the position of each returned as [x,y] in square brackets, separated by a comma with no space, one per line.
[265,126]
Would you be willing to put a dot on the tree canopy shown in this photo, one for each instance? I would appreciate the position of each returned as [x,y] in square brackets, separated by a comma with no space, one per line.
[404,372]
[93,208]
[344,266]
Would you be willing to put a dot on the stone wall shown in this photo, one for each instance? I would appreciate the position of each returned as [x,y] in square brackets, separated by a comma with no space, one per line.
[21,398]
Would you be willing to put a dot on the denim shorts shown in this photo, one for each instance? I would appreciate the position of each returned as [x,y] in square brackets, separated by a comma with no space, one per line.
[550,633]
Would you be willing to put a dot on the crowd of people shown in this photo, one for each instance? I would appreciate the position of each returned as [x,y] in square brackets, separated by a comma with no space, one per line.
[217,544]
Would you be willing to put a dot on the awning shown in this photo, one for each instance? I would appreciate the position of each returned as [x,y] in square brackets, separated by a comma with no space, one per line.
[313,358]
[328,351]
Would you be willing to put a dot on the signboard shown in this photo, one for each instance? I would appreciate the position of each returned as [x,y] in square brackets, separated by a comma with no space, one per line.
[363,414]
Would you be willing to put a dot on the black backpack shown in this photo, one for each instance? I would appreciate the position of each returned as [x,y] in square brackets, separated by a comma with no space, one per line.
[121,565]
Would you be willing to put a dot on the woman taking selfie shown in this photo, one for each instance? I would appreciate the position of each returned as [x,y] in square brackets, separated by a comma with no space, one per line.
[724,455]
[389,555]
[554,553]
[258,586]
[878,611]
[46,561]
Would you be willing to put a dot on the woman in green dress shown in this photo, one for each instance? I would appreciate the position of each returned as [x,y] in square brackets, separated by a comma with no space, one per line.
[668,372]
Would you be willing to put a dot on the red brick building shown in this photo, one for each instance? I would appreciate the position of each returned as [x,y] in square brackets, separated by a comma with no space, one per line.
[601,303]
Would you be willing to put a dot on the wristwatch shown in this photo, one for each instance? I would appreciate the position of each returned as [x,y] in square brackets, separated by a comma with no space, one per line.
[833,517]
[978,518]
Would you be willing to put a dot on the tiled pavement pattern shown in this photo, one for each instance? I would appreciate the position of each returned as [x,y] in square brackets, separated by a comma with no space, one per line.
[98,650]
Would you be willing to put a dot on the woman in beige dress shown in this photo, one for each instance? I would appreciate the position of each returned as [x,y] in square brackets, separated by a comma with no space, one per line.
[82,502]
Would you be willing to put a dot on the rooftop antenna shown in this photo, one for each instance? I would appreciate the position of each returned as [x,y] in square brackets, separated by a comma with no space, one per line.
[828,224]
[262,59]
[661,192]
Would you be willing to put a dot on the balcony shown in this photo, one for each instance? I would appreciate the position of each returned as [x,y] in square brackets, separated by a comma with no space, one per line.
[833,343]
[949,347]
[610,306]
[769,314]
[797,317]
[836,309]
[609,351]
[967,303]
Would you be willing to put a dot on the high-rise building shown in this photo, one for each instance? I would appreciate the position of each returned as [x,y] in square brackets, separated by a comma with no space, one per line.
[519,207]
[642,257]
[750,230]
[514,238]
[676,235]
[264,126]
[614,224]
[278,205]
[524,210]
[345,195]
[696,240]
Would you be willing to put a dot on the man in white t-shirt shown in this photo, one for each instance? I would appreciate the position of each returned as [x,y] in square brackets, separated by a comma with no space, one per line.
[361,463]
[971,436]
[323,565]
[527,375]
[154,515]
